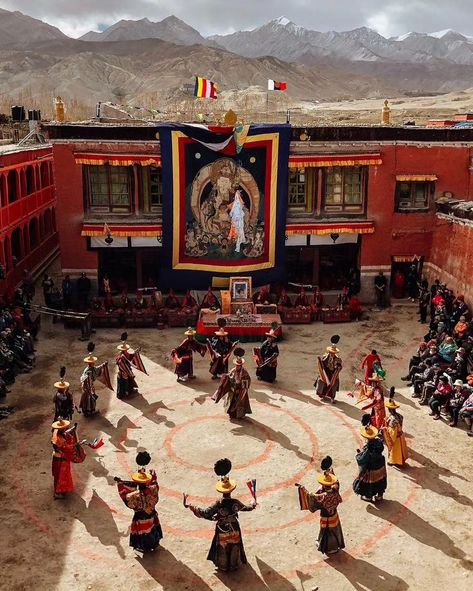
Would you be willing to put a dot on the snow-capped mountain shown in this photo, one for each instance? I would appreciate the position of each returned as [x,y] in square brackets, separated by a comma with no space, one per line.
[286,40]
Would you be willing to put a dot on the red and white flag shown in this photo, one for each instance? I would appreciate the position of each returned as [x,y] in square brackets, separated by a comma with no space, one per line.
[273,85]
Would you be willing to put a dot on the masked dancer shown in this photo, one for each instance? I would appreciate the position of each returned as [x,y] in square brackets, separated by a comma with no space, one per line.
[234,387]
[220,348]
[329,366]
[371,481]
[182,356]
[266,357]
[226,551]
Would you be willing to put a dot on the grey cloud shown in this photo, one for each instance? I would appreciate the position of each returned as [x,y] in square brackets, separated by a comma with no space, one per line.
[222,16]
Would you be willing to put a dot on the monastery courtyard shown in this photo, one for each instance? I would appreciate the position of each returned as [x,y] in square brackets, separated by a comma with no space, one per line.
[418,538]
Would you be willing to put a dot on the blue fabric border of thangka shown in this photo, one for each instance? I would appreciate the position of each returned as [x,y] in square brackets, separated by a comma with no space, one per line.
[180,279]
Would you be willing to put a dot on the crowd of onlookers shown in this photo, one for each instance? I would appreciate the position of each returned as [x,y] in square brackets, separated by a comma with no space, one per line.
[439,372]
[17,335]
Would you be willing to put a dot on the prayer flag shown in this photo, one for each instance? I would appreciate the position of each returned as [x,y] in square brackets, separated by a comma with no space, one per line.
[273,85]
[96,443]
[205,88]
[251,484]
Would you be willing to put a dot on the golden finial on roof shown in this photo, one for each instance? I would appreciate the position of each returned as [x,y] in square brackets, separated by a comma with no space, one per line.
[230,118]
[386,114]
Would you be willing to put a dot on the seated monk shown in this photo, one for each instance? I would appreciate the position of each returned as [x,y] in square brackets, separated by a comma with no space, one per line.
[97,306]
[140,302]
[284,300]
[125,303]
[262,296]
[210,300]
[171,302]
[108,302]
[189,305]
[302,301]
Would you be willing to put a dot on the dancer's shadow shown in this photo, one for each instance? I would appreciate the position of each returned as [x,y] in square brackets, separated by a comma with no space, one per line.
[97,518]
[96,467]
[354,412]
[273,580]
[422,531]
[262,432]
[299,396]
[170,573]
[244,579]
[150,411]
[364,576]
[428,476]
[117,434]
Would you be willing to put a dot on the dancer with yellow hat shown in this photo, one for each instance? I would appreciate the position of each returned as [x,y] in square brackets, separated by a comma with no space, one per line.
[63,400]
[329,366]
[326,500]
[182,356]
[220,348]
[234,386]
[376,404]
[266,357]
[126,360]
[371,481]
[142,495]
[91,373]
[394,434]
[226,551]
[63,443]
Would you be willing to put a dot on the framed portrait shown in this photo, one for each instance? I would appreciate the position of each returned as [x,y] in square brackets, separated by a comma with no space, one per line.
[240,288]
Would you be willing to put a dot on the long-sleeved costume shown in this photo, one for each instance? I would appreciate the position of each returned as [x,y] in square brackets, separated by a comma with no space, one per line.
[183,358]
[126,382]
[328,382]
[63,404]
[220,349]
[326,501]
[226,551]
[234,386]
[395,440]
[372,477]
[88,399]
[145,531]
[378,410]
[267,360]
[368,364]
[63,443]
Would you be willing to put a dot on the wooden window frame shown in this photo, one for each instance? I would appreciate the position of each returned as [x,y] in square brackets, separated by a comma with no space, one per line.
[310,184]
[429,192]
[344,209]
[146,205]
[109,208]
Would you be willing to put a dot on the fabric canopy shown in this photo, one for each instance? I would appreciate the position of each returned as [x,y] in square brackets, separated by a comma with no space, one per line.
[117,159]
[416,177]
[324,160]
[334,228]
[122,230]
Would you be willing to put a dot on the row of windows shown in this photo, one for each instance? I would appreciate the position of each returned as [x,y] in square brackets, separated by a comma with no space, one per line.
[24,240]
[343,190]
[111,189]
[332,191]
[21,182]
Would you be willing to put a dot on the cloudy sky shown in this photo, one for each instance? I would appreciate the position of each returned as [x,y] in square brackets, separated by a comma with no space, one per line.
[388,17]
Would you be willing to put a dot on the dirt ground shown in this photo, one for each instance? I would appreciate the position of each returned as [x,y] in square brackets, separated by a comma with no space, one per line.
[418,538]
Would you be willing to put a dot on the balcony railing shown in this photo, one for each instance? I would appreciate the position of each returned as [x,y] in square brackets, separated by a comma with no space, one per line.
[13,213]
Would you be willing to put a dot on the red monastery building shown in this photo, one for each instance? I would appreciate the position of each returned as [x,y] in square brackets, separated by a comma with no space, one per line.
[357,198]
[28,235]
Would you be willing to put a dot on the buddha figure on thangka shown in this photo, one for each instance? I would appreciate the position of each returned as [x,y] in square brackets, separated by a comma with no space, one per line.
[224,220]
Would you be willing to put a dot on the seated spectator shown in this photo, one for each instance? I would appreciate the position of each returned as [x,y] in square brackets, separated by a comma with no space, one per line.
[461,328]
[441,397]
[460,394]
[466,413]
[447,350]
[140,302]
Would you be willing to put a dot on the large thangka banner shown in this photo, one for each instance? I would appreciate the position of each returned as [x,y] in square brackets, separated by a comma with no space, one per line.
[224,203]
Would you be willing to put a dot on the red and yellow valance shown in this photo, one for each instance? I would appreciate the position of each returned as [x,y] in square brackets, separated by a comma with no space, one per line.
[315,229]
[117,159]
[416,177]
[324,160]
[134,231]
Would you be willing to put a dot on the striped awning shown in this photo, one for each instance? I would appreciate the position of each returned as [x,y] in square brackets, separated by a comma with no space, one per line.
[117,159]
[333,228]
[135,230]
[324,160]
[416,177]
